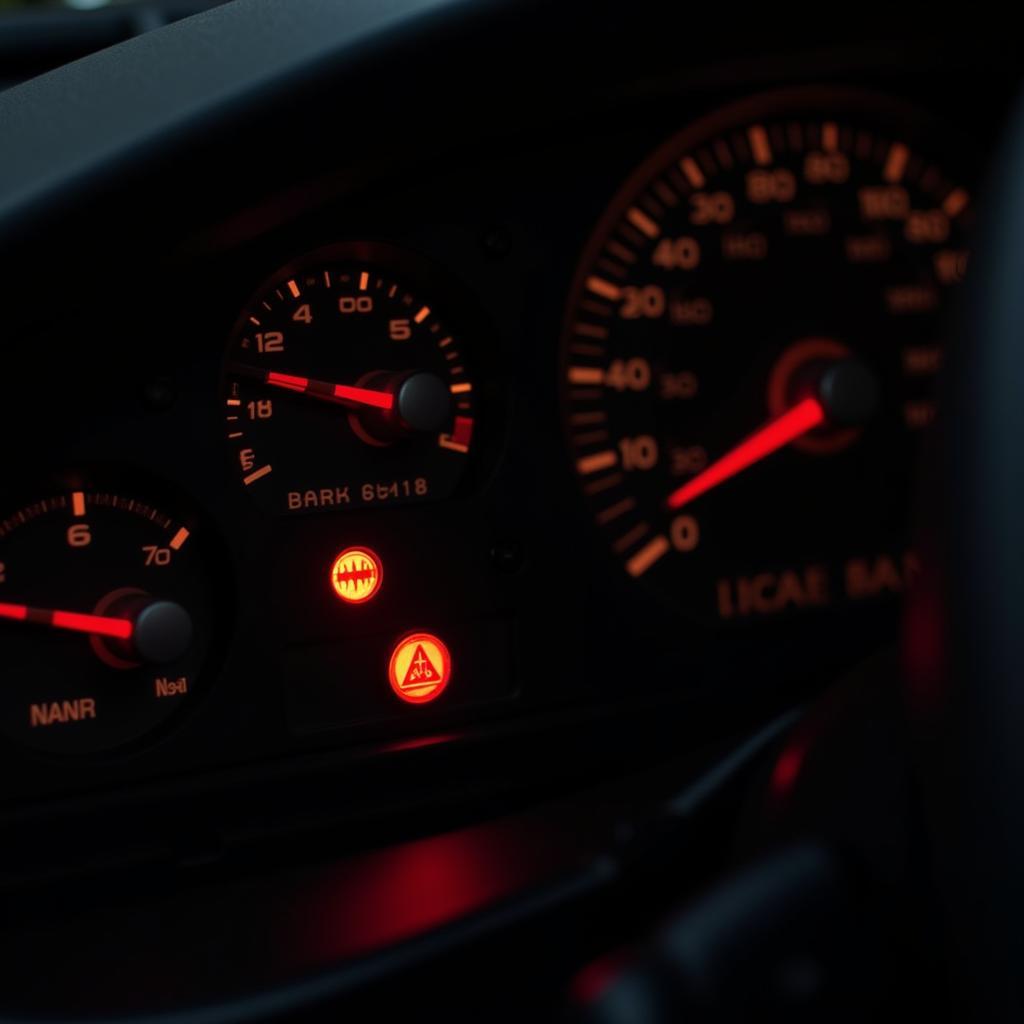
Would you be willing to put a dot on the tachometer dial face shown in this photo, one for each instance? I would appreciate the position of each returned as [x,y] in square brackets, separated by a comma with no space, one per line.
[105,620]
[750,353]
[345,388]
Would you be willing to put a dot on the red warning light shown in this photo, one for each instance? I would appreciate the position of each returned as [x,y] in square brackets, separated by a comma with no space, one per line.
[420,668]
[356,575]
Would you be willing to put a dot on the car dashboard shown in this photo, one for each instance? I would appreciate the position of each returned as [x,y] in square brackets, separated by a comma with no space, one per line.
[467,424]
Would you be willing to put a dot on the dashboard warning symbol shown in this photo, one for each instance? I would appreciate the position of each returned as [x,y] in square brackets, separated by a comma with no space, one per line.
[356,575]
[420,668]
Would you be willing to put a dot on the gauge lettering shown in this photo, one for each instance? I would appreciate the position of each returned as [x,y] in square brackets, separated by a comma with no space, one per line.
[756,266]
[106,624]
[349,375]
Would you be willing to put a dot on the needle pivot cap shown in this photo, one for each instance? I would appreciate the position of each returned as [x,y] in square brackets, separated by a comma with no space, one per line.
[163,632]
[423,403]
[848,392]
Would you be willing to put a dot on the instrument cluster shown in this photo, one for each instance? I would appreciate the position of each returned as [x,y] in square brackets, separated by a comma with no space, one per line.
[485,445]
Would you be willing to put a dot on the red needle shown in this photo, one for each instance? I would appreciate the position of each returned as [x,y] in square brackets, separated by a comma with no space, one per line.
[95,625]
[328,392]
[804,416]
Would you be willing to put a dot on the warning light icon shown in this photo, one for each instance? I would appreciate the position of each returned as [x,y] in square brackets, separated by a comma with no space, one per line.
[420,668]
[356,575]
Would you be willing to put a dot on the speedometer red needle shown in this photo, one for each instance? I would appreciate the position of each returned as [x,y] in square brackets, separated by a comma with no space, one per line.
[77,622]
[803,417]
[328,392]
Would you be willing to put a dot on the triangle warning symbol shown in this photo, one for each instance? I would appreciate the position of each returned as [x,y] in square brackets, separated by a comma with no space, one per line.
[421,670]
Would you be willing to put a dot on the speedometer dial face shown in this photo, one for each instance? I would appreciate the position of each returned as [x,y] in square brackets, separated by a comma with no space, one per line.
[344,387]
[750,353]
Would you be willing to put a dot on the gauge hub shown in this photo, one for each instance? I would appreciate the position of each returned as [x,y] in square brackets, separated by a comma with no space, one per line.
[106,619]
[343,388]
[750,352]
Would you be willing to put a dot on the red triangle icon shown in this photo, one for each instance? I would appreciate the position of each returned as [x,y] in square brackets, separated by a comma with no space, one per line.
[421,670]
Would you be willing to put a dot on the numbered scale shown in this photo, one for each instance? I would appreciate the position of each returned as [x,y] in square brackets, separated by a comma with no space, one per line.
[105,620]
[750,352]
[343,389]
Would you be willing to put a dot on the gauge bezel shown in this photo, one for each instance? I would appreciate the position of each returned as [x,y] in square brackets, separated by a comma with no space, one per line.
[128,480]
[462,316]
[906,119]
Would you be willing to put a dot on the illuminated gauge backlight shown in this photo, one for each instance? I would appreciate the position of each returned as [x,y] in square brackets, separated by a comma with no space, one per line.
[750,354]
[106,619]
[345,388]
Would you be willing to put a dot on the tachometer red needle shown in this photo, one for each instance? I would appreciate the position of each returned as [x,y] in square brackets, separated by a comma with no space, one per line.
[77,622]
[803,417]
[328,392]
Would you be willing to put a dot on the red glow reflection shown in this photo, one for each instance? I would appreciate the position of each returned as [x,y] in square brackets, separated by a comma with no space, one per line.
[384,897]
[924,645]
[591,983]
[787,769]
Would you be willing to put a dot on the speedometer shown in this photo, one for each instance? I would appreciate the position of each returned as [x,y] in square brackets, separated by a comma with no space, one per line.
[750,352]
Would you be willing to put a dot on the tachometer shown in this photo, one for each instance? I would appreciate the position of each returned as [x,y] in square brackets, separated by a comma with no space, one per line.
[344,387]
[750,351]
[106,619]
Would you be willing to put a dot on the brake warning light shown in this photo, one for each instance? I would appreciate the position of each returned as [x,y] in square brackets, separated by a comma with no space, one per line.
[420,668]
[356,575]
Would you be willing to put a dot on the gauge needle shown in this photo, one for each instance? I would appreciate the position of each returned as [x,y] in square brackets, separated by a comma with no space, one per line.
[77,622]
[803,417]
[325,391]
